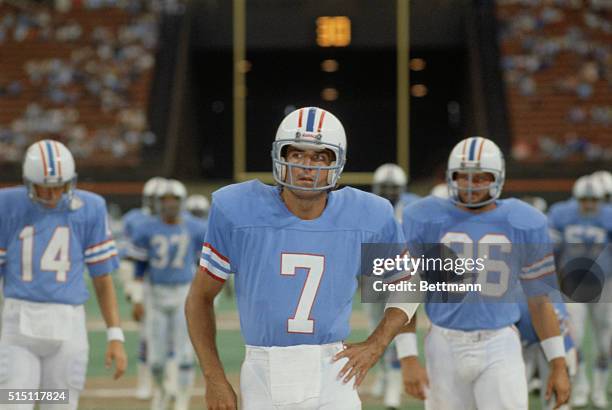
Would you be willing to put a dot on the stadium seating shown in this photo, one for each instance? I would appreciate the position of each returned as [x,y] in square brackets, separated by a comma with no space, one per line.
[81,76]
[557,67]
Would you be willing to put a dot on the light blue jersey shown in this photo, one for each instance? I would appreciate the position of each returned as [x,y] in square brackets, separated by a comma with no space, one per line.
[171,251]
[493,236]
[580,235]
[130,220]
[408,197]
[43,253]
[295,279]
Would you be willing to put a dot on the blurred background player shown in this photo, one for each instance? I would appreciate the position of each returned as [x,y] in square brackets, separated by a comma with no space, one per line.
[582,227]
[390,182]
[440,191]
[198,206]
[168,248]
[473,356]
[134,293]
[49,233]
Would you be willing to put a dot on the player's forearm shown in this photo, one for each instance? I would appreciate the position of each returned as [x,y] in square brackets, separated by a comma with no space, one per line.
[543,317]
[107,299]
[200,314]
[392,323]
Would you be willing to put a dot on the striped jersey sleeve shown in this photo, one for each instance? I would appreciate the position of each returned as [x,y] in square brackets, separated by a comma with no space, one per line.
[538,264]
[100,248]
[215,256]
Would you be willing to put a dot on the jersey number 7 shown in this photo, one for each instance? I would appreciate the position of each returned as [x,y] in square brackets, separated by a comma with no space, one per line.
[315,264]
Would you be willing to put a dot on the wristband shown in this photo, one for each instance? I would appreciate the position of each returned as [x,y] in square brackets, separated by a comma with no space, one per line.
[114,333]
[406,345]
[137,291]
[553,347]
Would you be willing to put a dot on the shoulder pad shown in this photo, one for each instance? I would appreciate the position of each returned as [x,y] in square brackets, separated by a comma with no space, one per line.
[523,216]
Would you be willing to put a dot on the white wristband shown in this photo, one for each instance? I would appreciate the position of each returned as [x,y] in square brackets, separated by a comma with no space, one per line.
[114,333]
[137,291]
[553,347]
[406,345]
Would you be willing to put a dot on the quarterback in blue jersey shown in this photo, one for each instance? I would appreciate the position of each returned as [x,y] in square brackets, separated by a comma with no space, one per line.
[168,248]
[294,251]
[50,233]
[473,352]
[583,228]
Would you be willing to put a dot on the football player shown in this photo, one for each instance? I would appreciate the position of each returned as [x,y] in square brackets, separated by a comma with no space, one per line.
[135,292]
[473,352]
[198,206]
[294,250]
[168,247]
[583,227]
[50,232]
[390,182]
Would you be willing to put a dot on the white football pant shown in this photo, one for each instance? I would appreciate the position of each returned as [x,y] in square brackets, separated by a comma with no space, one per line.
[299,377]
[36,363]
[475,370]
[167,325]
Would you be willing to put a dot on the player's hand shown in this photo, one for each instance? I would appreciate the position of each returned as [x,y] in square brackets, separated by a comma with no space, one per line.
[138,312]
[415,377]
[115,352]
[361,357]
[220,396]
[558,383]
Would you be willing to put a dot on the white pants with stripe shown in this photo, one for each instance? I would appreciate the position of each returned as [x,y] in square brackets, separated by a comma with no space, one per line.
[34,363]
[299,377]
[475,370]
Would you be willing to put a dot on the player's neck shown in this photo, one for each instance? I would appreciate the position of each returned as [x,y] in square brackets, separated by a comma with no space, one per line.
[486,208]
[304,208]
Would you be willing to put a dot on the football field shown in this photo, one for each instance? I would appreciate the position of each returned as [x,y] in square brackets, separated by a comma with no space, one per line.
[102,393]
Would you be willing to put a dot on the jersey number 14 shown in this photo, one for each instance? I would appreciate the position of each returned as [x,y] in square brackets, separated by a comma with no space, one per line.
[55,258]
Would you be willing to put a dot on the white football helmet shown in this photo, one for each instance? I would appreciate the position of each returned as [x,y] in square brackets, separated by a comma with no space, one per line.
[309,128]
[587,187]
[174,188]
[440,191]
[389,182]
[198,205]
[49,163]
[474,155]
[149,191]
[605,180]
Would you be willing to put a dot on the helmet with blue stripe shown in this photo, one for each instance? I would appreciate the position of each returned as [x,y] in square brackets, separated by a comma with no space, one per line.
[49,164]
[309,128]
[472,156]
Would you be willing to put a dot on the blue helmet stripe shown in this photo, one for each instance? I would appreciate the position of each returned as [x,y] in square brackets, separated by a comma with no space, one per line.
[472,149]
[311,119]
[51,159]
